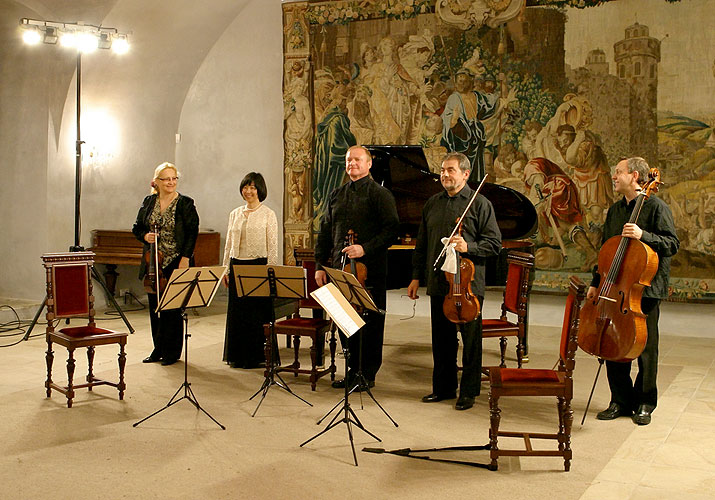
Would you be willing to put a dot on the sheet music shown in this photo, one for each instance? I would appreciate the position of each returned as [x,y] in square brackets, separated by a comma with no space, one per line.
[338,308]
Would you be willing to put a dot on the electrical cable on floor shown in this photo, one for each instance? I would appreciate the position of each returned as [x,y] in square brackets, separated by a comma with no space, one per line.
[18,327]
[114,313]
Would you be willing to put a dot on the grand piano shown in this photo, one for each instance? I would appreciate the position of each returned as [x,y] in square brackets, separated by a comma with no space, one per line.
[404,171]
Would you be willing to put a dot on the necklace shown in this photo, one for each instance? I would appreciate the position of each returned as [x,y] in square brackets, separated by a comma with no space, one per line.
[253,209]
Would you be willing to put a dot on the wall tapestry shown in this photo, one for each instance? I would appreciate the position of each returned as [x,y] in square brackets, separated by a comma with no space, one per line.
[544,96]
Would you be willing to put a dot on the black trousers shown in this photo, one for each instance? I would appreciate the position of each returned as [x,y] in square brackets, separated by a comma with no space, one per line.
[444,352]
[167,329]
[644,390]
[245,317]
[373,335]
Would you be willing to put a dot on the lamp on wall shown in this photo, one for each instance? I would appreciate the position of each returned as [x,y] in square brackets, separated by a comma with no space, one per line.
[84,38]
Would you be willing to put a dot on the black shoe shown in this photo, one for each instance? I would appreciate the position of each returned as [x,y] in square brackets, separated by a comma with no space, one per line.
[151,359]
[340,384]
[167,362]
[464,403]
[368,384]
[434,398]
[642,416]
[613,411]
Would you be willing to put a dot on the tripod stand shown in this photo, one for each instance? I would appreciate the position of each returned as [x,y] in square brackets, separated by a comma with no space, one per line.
[356,294]
[349,416]
[185,290]
[273,282]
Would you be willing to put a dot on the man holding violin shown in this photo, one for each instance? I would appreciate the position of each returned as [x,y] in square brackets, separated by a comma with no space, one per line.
[369,210]
[480,238]
[656,229]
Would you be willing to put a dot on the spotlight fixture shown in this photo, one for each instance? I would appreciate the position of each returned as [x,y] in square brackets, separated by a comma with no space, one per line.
[32,36]
[50,37]
[84,37]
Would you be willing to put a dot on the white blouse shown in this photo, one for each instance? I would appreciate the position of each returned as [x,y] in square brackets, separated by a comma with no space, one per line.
[261,234]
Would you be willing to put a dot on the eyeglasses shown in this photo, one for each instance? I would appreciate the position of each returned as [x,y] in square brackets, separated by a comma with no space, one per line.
[167,179]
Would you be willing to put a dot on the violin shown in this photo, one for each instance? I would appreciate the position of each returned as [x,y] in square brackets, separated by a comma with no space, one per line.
[154,260]
[461,305]
[613,326]
[352,266]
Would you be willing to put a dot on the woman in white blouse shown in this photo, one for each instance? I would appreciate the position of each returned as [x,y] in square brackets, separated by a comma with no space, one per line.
[251,239]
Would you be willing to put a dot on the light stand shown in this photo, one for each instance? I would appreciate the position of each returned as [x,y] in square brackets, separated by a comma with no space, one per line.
[46,27]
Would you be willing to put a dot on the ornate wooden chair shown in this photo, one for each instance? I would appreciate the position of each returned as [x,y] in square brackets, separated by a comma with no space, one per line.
[505,382]
[314,328]
[69,295]
[516,300]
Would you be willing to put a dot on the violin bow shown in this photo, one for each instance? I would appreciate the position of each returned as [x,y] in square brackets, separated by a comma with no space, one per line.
[459,222]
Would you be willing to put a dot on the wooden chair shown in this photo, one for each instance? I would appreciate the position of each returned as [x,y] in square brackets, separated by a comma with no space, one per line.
[314,328]
[536,382]
[516,300]
[69,295]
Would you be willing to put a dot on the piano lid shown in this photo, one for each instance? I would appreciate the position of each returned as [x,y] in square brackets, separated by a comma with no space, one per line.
[404,171]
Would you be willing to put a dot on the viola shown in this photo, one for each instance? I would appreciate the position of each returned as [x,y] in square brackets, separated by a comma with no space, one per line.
[154,260]
[461,305]
[613,326]
[352,266]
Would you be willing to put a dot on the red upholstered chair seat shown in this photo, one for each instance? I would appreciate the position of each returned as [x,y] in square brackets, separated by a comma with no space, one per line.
[516,375]
[84,331]
[494,327]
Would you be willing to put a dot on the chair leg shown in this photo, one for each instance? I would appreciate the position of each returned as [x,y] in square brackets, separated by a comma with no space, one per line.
[296,361]
[49,358]
[122,361]
[519,350]
[90,362]
[333,344]
[560,408]
[568,422]
[70,375]
[494,418]
[502,347]
[313,364]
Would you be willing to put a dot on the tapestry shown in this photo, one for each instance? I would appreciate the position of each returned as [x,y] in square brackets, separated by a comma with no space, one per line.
[544,97]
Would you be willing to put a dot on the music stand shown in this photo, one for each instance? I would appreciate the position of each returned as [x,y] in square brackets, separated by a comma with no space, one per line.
[334,301]
[189,287]
[351,288]
[273,282]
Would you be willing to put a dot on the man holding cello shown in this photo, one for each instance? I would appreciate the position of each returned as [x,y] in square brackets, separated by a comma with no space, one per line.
[369,210]
[655,228]
[480,238]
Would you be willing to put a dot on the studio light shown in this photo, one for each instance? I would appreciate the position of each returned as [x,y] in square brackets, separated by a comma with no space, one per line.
[32,36]
[84,37]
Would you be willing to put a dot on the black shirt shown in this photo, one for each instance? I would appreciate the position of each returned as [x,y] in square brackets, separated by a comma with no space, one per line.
[370,211]
[656,221]
[479,229]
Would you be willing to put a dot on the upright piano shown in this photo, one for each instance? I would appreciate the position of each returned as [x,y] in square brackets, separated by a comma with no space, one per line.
[404,171]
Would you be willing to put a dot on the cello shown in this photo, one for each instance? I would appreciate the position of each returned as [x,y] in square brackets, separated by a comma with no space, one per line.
[460,305]
[613,326]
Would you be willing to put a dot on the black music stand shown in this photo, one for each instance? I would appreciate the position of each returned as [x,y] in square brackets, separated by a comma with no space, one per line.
[334,301]
[351,288]
[273,282]
[189,287]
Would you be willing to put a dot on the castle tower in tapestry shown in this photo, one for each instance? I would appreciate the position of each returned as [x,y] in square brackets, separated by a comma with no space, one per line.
[637,57]
[596,62]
